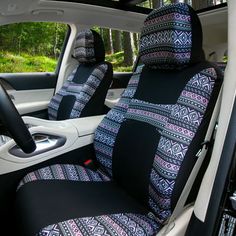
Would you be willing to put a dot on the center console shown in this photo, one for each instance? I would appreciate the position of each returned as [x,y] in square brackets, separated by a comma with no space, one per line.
[52,139]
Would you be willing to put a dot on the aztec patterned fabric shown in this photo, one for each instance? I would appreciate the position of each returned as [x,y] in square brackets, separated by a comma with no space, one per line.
[82,92]
[108,129]
[86,48]
[153,114]
[166,39]
[147,143]
[177,125]
[77,91]
[64,172]
[176,137]
[106,225]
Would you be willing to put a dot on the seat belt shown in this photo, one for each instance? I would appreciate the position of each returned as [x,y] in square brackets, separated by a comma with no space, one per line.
[200,155]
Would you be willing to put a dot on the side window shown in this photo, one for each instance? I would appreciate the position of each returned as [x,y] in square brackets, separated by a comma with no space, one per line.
[31,47]
[121,48]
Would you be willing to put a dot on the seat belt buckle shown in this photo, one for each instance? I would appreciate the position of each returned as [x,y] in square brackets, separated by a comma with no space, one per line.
[90,164]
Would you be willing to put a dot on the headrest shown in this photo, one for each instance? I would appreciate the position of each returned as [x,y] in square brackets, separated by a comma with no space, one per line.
[171,37]
[89,47]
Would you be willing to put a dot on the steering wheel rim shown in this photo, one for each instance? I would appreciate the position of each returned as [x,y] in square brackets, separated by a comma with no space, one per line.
[12,120]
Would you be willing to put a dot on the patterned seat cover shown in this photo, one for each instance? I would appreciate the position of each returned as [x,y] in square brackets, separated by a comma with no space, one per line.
[147,143]
[92,77]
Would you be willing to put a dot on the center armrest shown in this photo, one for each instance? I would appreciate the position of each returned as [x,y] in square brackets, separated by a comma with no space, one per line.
[53,138]
[83,126]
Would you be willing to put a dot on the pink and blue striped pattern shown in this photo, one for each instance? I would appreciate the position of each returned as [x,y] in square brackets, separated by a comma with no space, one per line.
[166,38]
[178,133]
[64,172]
[105,134]
[82,92]
[125,224]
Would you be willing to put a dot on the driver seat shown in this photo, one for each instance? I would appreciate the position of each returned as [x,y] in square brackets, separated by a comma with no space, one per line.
[84,92]
[145,147]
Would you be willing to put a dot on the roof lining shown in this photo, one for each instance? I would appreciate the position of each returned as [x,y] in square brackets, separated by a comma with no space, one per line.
[130,5]
[120,5]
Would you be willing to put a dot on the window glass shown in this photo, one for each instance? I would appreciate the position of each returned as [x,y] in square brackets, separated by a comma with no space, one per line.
[121,48]
[31,47]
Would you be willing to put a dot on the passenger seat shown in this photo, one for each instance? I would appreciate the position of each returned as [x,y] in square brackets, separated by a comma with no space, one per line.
[83,93]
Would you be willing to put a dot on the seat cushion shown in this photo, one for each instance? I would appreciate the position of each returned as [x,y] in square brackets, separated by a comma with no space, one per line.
[114,224]
[50,200]
[64,172]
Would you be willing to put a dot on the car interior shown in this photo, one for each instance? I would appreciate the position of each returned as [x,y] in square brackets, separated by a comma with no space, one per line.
[86,150]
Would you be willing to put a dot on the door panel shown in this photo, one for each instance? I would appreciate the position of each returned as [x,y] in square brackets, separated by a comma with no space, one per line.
[30,92]
[28,101]
[25,81]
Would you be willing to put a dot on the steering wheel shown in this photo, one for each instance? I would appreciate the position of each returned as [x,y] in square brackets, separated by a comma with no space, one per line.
[12,120]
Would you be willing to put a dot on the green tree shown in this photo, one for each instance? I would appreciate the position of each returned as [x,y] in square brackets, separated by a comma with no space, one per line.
[157,3]
[117,41]
[128,51]
[33,38]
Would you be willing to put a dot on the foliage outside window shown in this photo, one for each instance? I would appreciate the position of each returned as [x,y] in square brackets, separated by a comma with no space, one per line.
[121,48]
[30,47]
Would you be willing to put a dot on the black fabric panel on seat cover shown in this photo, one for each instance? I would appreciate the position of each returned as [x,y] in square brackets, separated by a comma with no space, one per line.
[160,86]
[57,200]
[82,73]
[95,105]
[99,49]
[65,107]
[197,53]
[136,143]
[133,157]
[163,86]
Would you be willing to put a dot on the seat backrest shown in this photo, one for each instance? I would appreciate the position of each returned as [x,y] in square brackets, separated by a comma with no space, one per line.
[84,91]
[149,140]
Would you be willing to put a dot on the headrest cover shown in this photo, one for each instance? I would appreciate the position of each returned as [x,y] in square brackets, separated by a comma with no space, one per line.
[89,47]
[171,37]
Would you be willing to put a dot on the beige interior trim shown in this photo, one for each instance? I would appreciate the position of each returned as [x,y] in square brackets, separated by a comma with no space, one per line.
[228,97]
[78,133]
[179,226]
[27,101]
